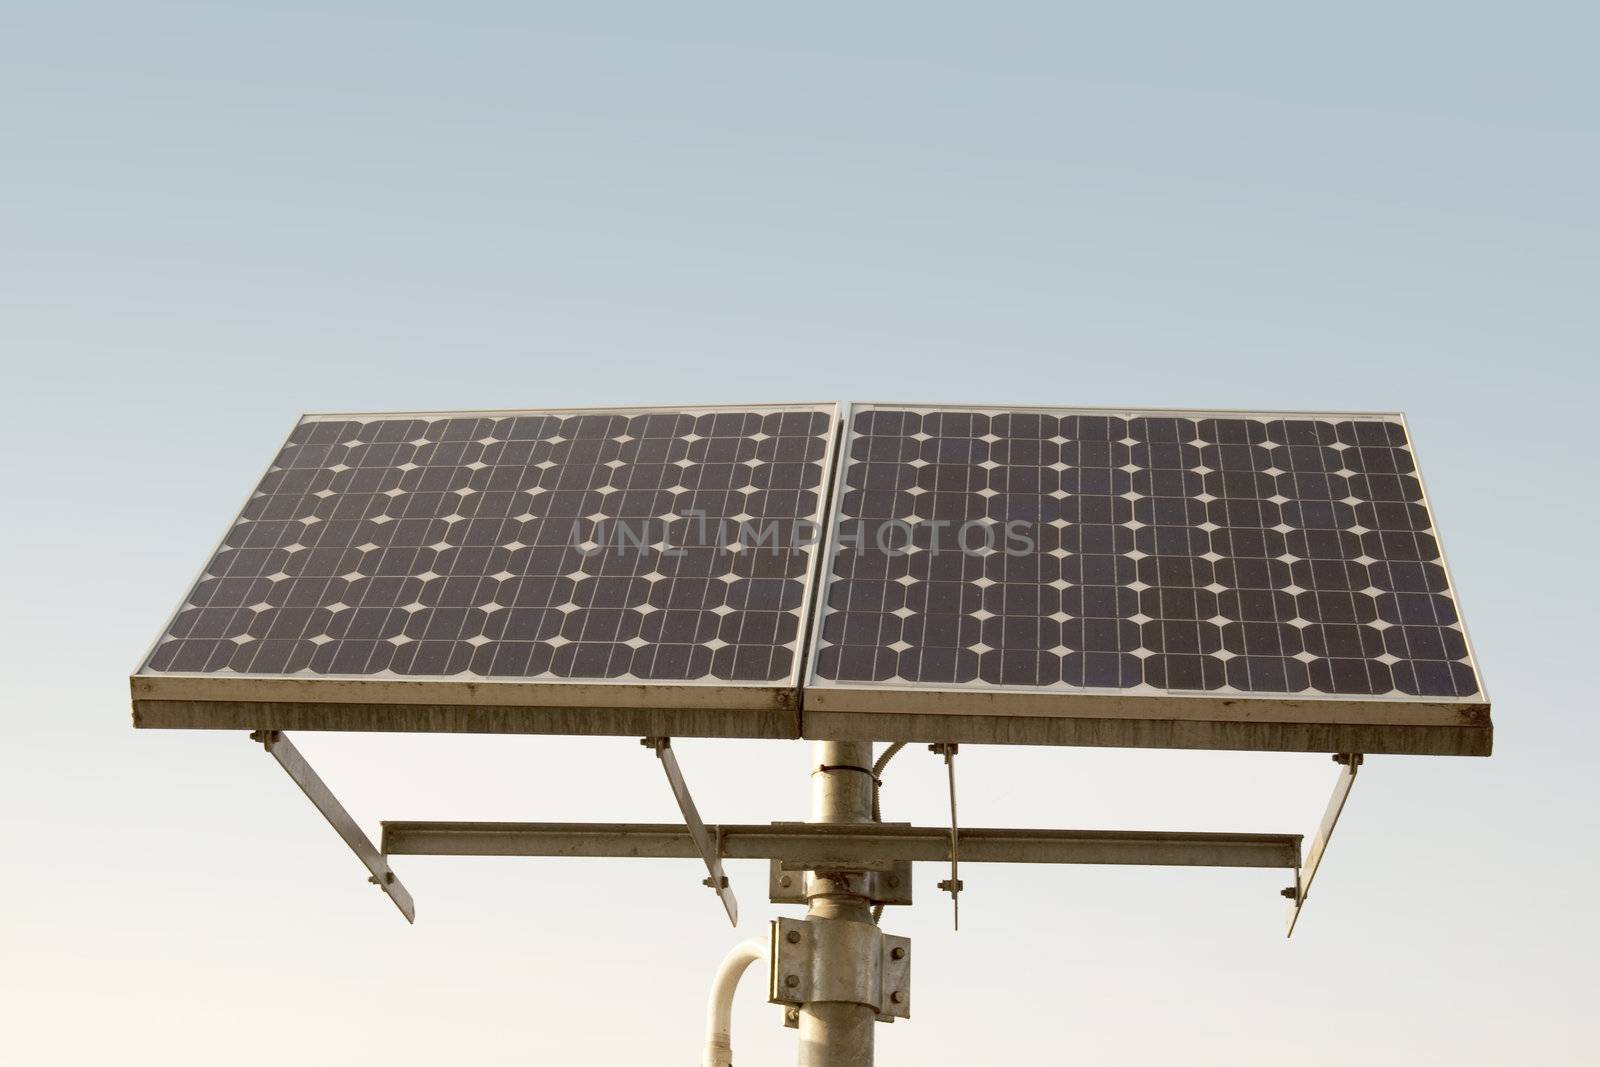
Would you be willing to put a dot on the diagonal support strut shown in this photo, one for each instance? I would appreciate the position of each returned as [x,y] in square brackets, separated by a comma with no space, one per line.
[706,842]
[1303,877]
[953,885]
[317,791]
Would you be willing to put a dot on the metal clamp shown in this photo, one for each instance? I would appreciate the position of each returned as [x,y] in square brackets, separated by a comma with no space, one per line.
[788,885]
[820,960]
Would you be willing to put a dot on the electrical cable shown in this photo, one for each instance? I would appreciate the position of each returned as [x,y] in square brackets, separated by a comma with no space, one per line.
[877,809]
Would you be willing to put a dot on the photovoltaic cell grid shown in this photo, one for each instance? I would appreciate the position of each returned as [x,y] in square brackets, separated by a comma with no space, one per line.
[533,545]
[1170,553]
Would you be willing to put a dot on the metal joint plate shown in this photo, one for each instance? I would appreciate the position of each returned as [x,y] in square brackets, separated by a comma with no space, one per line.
[786,886]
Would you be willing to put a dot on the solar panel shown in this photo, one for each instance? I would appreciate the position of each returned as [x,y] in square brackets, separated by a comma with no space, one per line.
[600,571]
[1146,578]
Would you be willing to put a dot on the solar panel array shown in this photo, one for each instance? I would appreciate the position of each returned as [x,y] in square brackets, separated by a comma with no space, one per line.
[592,545]
[658,571]
[1155,553]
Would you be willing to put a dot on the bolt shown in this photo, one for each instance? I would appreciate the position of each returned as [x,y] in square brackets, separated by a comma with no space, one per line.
[786,881]
[792,980]
[894,881]
[898,952]
[1289,893]
[794,937]
[897,997]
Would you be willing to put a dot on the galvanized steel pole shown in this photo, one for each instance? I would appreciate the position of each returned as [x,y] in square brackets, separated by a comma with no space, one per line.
[839,1033]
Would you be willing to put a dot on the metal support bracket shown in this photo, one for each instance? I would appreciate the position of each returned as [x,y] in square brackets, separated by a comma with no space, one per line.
[317,791]
[786,884]
[1307,872]
[707,842]
[821,960]
[952,885]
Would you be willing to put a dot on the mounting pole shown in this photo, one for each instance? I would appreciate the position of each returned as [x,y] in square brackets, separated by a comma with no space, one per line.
[838,1033]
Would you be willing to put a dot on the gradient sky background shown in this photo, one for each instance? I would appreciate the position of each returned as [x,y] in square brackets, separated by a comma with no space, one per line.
[215,216]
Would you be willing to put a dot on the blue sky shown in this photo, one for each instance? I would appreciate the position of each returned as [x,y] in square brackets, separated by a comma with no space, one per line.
[215,216]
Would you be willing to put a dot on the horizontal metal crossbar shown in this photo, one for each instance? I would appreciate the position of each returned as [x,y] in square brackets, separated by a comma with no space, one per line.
[871,846]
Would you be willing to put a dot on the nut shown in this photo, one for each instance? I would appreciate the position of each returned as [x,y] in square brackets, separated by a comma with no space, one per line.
[898,952]
[792,980]
[793,938]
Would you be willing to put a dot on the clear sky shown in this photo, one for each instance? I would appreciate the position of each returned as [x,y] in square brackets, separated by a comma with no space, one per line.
[215,216]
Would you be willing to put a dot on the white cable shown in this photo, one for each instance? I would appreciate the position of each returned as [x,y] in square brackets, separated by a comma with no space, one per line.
[719,1009]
